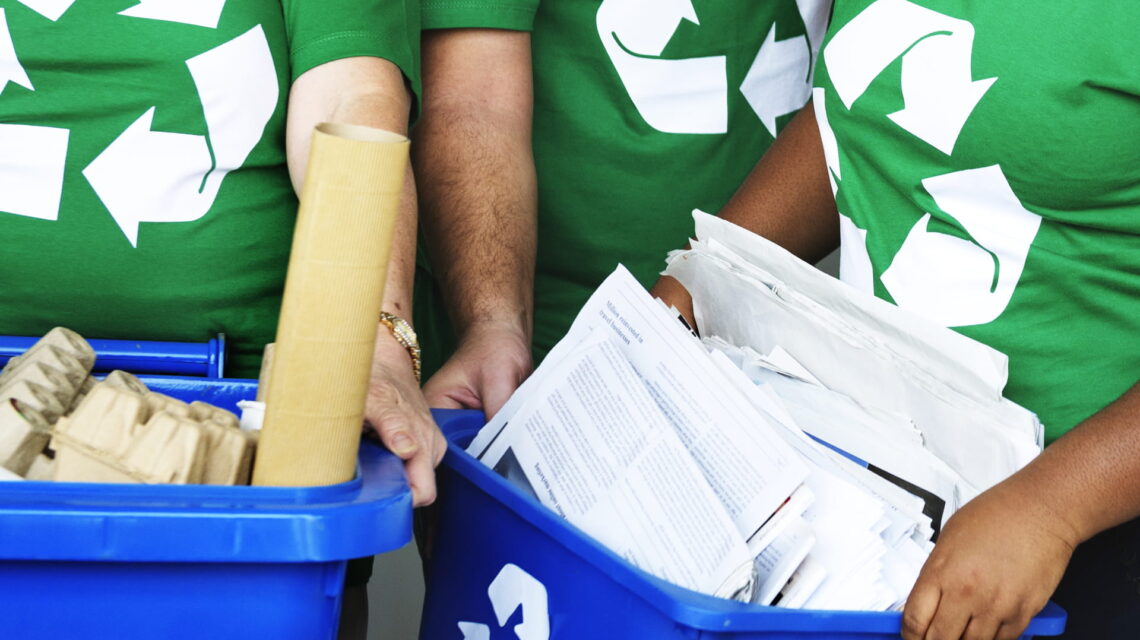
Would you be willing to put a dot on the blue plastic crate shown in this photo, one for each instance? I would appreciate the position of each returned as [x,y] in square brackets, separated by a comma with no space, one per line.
[191,561]
[500,559]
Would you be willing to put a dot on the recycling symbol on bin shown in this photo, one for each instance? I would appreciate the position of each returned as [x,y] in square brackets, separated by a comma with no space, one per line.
[147,175]
[690,95]
[511,590]
[952,280]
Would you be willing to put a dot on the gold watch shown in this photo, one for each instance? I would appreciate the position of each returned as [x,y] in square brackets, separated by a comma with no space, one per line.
[406,336]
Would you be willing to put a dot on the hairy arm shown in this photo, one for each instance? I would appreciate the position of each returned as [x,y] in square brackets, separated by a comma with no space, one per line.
[473,155]
[786,198]
[371,92]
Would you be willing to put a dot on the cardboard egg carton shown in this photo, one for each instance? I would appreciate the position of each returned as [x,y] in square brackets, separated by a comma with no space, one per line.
[115,430]
[120,435]
[103,441]
[24,432]
[42,469]
[124,380]
[36,389]
[61,349]
[49,375]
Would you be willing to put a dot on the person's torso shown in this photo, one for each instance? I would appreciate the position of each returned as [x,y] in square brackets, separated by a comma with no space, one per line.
[645,110]
[987,164]
[143,188]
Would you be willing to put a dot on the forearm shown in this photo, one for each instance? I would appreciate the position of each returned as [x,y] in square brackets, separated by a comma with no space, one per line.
[369,92]
[479,220]
[472,153]
[1089,479]
[787,197]
[402,261]
[362,91]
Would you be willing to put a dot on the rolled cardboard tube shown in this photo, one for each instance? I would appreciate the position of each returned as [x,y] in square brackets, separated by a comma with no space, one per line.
[333,290]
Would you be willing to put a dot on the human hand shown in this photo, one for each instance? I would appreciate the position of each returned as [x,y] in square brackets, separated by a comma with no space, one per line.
[997,561]
[673,293]
[491,362]
[396,412]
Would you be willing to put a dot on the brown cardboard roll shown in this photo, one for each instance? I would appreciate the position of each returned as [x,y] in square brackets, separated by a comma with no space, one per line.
[333,290]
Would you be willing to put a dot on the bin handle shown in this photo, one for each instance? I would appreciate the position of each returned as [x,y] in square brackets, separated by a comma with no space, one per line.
[204,359]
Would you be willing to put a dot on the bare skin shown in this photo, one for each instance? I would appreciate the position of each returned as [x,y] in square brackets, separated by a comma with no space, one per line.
[472,151]
[1003,554]
[786,198]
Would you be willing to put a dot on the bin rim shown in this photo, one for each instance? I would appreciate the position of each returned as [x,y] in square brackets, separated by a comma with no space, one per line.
[692,609]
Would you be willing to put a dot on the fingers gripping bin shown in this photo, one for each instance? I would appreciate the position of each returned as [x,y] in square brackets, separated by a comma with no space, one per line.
[504,567]
[192,561]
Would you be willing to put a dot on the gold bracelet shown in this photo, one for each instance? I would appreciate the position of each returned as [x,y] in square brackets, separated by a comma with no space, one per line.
[405,336]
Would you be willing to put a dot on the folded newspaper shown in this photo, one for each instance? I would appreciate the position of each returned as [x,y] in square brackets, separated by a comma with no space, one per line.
[805,453]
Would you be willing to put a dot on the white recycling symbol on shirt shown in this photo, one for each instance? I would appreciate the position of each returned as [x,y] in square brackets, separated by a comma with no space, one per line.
[690,95]
[32,158]
[951,280]
[50,9]
[511,590]
[146,175]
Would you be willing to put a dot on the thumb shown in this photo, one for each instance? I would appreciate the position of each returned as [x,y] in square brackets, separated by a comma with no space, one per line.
[496,394]
[396,433]
[919,610]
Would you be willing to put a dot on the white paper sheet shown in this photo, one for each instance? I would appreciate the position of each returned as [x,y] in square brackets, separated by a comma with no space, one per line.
[750,292]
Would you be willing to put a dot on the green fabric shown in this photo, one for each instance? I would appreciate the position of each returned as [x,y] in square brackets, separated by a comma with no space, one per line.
[1045,171]
[517,15]
[95,73]
[322,31]
[612,187]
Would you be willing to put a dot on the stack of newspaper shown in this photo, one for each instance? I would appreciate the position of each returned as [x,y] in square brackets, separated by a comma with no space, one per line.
[805,453]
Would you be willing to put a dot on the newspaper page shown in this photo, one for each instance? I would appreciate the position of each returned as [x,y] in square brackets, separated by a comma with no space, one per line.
[751,470]
[594,447]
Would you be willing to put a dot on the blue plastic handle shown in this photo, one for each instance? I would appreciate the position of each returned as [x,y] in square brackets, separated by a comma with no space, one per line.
[205,359]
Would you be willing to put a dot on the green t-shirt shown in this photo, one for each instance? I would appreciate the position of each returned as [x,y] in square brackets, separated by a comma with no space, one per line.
[644,110]
[986,157]
[144,192]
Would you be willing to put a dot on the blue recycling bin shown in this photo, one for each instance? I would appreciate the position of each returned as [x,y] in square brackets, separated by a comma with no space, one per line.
[505,567]
[119,561]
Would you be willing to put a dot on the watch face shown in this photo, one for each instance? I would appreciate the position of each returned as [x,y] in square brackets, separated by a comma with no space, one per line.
[405,336]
